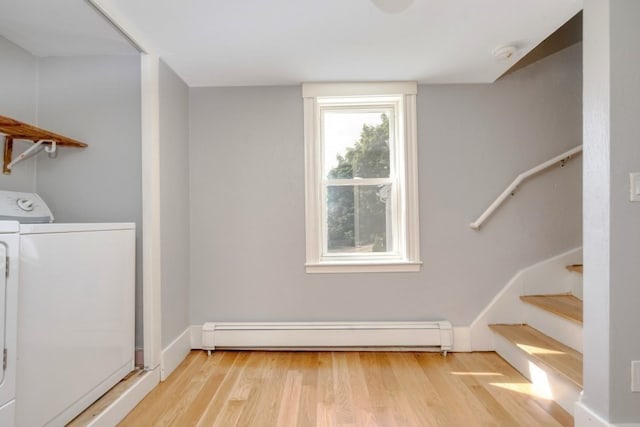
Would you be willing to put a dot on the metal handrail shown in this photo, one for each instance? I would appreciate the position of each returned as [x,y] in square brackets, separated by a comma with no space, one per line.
[509,191]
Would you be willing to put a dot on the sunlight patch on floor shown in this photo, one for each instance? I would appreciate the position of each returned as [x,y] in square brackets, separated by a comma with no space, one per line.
[538,387]
[531,349]
[524,388]
[479,374]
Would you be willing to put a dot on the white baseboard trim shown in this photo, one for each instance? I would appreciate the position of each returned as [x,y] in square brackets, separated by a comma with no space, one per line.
[195,335]
[585,417]
[175,353]
[461,339]
[423,335]
[119,409]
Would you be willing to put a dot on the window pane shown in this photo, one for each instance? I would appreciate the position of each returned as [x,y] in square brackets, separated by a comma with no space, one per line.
[356,143]
[359,218]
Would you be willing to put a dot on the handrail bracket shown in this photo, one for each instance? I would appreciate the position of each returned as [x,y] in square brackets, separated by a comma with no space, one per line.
[562,159]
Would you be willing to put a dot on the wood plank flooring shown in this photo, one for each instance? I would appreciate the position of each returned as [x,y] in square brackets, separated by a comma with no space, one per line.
[352,389]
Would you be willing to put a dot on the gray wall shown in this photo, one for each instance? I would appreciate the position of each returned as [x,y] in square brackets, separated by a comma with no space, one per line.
[174,203]
[247,200]
[611,222]
[625,223]
[95,100]
[18,94]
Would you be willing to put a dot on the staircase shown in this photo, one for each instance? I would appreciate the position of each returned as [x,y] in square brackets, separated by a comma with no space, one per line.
[547,346]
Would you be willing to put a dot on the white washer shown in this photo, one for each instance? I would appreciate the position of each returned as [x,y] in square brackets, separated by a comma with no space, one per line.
[9,248]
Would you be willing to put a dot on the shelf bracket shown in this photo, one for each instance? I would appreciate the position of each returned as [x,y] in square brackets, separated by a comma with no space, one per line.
[8,153]
[13,129]
[31,151]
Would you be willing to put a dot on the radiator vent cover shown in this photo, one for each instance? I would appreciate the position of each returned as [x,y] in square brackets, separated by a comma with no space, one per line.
[309,335]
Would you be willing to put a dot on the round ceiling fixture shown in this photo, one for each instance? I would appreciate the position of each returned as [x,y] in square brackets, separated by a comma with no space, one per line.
[392,6]
[505,53]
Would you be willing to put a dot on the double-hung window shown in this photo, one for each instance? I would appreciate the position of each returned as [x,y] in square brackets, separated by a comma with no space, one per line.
[361,177]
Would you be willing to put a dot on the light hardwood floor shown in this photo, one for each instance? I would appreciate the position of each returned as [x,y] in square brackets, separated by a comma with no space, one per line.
[345,389]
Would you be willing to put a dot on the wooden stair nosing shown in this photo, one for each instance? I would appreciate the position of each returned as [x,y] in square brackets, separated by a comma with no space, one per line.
[576,268]
[557,356]
[563,305]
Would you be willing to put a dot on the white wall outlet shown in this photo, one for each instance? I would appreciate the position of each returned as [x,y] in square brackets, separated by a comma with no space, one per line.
[634,187]
[635,375]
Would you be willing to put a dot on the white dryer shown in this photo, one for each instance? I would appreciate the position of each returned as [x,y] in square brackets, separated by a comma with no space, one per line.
[76,320]
[75,312]
[9,247]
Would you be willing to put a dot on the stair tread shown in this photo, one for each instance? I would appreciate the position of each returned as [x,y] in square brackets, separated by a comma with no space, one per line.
[565,305]
[577,268]
[557,356]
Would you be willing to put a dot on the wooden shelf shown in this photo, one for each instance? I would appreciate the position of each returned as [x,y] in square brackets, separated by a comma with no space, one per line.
[15,129]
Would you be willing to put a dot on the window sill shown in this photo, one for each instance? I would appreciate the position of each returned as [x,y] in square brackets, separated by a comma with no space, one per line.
[364,267]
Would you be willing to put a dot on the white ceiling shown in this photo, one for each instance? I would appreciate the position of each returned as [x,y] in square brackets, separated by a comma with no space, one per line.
[260,42]
[60,28]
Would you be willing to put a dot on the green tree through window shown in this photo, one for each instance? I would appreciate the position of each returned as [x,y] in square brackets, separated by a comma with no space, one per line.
[357,214]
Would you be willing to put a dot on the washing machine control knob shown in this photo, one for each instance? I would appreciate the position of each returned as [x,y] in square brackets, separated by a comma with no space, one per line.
[25,204]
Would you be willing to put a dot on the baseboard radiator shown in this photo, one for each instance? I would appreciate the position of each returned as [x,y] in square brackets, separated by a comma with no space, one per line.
[434,335]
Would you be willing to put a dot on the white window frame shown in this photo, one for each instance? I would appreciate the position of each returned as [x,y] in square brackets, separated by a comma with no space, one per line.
[405,255]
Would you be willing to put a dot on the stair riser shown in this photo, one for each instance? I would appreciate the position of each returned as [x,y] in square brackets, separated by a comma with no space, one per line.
[552,277]
[576,285]
[566,331]
[551,384]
